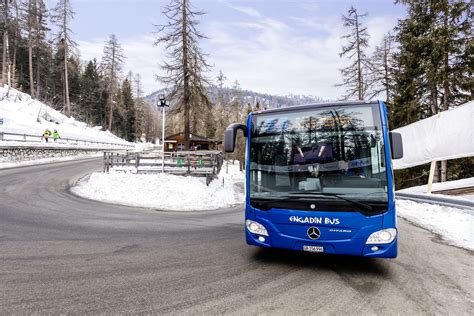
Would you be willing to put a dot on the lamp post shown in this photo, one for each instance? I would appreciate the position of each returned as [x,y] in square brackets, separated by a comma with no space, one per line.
[163,103]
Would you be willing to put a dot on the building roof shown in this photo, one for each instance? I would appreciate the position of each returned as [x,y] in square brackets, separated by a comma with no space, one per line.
[193,138]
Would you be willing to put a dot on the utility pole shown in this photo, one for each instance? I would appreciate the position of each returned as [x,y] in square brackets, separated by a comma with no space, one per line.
[163,104]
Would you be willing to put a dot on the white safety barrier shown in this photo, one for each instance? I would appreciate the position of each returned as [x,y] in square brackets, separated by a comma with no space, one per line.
[446,135]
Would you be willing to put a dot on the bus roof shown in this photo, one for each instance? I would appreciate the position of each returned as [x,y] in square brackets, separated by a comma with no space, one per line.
[315,106]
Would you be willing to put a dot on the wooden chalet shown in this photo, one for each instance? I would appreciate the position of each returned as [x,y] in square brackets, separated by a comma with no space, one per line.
[176,143]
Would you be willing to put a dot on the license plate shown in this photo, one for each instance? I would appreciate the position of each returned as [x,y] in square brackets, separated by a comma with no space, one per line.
[313,248]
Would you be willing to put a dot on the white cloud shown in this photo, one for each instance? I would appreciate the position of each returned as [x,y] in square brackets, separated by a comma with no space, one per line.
[264,55]
[378,27]
[246,10]
[276,59]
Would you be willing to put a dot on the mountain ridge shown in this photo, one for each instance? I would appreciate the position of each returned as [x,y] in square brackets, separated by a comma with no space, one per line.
[266,100]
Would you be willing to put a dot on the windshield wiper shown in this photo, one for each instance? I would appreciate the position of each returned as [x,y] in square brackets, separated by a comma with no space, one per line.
[359,204]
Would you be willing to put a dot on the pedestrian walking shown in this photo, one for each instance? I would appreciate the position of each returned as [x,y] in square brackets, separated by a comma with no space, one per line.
[56,135]
[46,134]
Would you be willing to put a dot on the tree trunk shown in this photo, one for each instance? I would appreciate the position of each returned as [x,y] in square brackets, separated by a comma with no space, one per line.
[30,66]
[112,89]
[66,78]
[359,70]
[15,44]
[386,68]
[186,92]
[5,44]
[38,72]
[5,56]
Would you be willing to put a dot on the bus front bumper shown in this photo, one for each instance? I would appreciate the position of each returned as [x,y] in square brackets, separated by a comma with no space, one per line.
[354,247]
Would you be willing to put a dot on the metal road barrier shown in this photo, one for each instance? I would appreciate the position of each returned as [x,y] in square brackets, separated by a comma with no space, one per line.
[436,199]
[23,137]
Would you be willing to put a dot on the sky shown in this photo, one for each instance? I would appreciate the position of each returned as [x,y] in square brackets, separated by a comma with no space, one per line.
[269,46]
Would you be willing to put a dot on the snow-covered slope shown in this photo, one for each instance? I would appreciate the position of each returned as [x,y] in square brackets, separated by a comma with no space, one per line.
[24,115]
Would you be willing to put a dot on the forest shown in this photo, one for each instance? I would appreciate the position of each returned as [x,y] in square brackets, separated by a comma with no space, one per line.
[423,66]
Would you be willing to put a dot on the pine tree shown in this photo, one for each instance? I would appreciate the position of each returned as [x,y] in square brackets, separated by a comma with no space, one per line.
[432,74]
[74,73]
[354,75]
[183,70]
[63,14]
[112,63]
[91,94]
[129,111]
[139,108]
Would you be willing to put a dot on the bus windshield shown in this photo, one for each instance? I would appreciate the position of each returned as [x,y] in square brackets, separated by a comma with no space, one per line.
[323,154]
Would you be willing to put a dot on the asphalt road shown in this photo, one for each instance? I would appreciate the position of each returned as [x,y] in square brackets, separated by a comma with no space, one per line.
[62,254]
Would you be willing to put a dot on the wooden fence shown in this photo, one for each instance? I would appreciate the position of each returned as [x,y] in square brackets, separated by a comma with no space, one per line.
[193,163]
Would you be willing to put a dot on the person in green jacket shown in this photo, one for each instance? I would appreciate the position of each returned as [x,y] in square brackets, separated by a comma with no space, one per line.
[55,135]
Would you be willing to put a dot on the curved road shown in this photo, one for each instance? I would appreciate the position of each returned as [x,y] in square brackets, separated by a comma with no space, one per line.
[63,254]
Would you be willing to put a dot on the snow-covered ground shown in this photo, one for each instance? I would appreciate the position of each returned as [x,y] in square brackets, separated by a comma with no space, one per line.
[454,225]
[21,114]
[448,185]
[165,191]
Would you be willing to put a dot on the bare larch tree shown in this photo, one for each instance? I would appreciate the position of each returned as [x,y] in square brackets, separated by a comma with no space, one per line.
[30,20]
[112,63]
[382,67]
[357,41]
[185,60]
[62,15]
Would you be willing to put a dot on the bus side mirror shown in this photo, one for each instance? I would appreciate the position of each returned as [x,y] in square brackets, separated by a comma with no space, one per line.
[396,145]
[230,134]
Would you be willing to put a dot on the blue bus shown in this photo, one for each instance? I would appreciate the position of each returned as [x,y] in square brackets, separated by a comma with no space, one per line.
[319,178]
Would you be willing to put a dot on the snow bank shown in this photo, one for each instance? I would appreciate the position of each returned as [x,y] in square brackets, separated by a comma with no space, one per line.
[165,191]
[448,185]
[454,225]
[440,186]
[23,115]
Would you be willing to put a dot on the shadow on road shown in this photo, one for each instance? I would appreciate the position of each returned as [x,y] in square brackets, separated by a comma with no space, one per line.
[336,263]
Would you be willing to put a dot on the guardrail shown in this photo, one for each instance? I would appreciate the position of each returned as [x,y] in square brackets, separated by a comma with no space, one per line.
[23,137]
[440,200]
[192,163]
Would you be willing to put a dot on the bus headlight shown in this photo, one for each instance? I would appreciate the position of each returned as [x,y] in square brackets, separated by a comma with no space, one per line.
[384,236]
[256,228]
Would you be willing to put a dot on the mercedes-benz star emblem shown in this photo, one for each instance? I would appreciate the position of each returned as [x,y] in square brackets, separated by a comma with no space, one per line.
[313,233]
